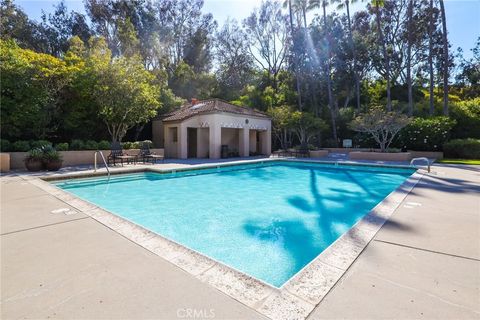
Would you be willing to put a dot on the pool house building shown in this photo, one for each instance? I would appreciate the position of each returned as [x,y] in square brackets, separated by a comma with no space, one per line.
[213,129]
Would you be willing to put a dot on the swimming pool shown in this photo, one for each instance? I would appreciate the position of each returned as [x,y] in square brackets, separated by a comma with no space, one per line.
[267,220]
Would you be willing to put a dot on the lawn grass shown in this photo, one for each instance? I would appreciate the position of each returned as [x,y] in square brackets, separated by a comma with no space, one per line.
[460,161]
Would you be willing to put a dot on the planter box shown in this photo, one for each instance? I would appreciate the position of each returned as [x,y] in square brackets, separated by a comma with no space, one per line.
[380,156]
[71,158]
[345,150]
[318,153]
[427,154]
[4,162]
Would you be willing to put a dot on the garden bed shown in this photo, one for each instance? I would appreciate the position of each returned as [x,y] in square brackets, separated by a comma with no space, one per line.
[380,156]
[318,153]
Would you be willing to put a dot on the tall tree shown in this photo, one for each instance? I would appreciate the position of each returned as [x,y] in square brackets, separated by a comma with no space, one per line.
[328,68]
[431,27]
[235,64]
[267,32]
[126,95]
[377,6]
[186,33]
[445,59]
[409,55]
[58,27]
[346,4]
[295,56]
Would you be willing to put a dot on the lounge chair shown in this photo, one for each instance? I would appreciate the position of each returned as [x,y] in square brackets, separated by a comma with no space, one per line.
[146,155]
[116,153]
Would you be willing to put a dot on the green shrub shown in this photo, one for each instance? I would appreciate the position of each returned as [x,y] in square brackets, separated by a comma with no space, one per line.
[467,115]
[77,144]
[426,134]
[51,155]
[150,143]
[127,145]
[5,145]
[35,154]
[21,145]
[63,146]
[136,145]
[90,145]
[462,149]
[39,143]
[104,145]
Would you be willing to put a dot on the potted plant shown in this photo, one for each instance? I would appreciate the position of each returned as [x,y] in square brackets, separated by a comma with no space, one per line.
[52,159]
[34,160]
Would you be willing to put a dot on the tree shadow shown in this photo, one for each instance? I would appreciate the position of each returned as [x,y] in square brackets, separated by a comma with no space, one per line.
[453,185]
[293,235]
[304,243]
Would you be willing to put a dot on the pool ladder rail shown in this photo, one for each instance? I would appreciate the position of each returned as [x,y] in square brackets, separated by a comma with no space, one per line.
[422,159]
[104,161]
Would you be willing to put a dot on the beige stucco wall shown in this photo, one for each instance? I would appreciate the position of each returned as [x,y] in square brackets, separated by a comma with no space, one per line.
[72,158]
[157,134]
[215,122]
[253,140]
[230,137]
[202,142]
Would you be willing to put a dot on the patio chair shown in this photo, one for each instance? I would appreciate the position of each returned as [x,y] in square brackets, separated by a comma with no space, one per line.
[145,154]
[116,153]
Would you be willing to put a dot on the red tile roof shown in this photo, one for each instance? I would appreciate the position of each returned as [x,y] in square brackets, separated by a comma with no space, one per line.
[211,106]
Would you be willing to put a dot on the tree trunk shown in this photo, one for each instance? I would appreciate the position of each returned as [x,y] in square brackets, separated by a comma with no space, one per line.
[430,58]
[385,57]
[295,58]
[409,57]
[329,79]
[354,54]
[445,63]
[138,130]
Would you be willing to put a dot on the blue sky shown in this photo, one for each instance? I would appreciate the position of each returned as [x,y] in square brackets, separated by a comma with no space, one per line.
[463,16]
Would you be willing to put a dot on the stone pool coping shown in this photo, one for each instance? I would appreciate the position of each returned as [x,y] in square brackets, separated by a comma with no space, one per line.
[293,300]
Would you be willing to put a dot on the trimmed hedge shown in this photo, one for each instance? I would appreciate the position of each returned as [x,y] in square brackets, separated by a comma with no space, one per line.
[103,145]
[21,145]
[5,145]
[62,146]
[425,134]
[76,144]
[90,145]
[462,149]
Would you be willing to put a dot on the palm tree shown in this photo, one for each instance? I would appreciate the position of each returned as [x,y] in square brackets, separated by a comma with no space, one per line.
[346,4]
[298,6]
[377,5]
[445,58]
[430,57]
[333,114]
[411,4]
[288,3]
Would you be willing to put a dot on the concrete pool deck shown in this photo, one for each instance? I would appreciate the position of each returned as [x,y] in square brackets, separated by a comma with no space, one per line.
[424,262]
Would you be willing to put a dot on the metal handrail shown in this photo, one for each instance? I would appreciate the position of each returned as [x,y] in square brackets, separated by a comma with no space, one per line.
[104,161]
[421,158]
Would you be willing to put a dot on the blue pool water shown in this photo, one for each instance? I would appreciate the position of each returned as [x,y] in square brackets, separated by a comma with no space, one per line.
[268,221]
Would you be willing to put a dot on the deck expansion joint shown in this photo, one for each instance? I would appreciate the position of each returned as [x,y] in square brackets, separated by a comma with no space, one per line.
[43,226]
[427,250]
